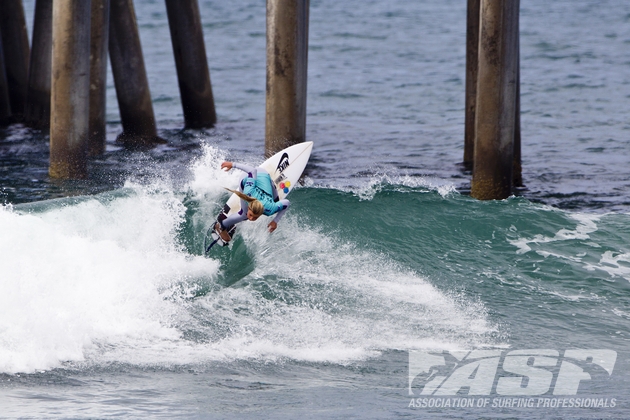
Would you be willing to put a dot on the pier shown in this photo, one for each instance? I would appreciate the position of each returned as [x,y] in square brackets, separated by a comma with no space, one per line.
[58,84]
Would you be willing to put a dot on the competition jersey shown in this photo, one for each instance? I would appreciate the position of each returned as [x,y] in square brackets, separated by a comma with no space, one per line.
[258,184]
[261,189]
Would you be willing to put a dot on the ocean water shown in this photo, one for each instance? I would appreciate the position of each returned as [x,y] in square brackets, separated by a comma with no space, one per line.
[109,309]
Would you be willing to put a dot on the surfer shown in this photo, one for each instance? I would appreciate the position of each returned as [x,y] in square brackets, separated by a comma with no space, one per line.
[258,196]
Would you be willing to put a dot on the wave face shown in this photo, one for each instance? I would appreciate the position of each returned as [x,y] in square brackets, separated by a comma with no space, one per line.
[396,264]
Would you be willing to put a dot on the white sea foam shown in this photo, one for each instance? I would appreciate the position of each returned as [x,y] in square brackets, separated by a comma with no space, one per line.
[94,273]
[614,263]
[585,250]
[369,187]
[587,224]
[336,302]
[104,279]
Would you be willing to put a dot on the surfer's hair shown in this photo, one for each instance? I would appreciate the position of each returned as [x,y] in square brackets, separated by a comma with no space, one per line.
[254,205]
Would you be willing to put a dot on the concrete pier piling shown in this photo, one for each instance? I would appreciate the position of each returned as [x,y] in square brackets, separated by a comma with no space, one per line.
[16,53]
[5,104]
[517,167]
[191,62]
[130,78]
[98,76]
[70,89]
[496,100]
[517,171]
[37,113]
[472,52]
[287,57]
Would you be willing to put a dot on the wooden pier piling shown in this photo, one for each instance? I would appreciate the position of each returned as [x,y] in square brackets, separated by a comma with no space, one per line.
[496,100]
[98,76]
[287,57]
[70,89]
[191,62]
[130,78]
[16,53]
[37,113]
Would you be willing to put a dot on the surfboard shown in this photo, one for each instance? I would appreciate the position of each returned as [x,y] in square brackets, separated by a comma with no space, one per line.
[285,168]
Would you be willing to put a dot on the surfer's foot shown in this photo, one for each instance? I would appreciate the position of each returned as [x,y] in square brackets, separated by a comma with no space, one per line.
[222,233]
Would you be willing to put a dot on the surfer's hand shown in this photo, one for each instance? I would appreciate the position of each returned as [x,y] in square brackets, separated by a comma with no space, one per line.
[226,165]
[272,226]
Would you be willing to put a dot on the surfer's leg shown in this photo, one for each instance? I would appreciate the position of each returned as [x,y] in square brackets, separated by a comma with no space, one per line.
[227,223]
[238,217]
[224,234]
[241,215]
[224,226]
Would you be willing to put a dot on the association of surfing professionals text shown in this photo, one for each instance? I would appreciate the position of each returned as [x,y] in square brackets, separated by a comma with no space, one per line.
[530,378]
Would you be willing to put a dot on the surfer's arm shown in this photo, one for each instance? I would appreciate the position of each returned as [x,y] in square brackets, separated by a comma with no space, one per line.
[283,205]
[252,172]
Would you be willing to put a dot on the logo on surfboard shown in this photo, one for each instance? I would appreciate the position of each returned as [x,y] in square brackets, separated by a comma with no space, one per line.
[284,162]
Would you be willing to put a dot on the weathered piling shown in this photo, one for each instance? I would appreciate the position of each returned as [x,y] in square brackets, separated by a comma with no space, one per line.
[70,89]
[5,104]
[517,167]
[517,176]
[16,53]
[472,52]
[37,113]
[98,76]
[130,78]
[287,57]
[496,100]
[191,62]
